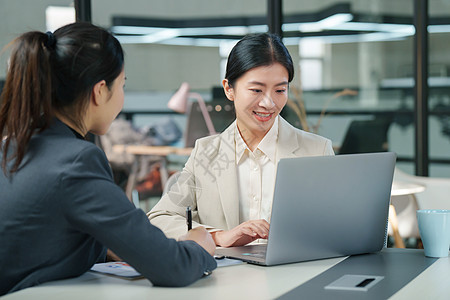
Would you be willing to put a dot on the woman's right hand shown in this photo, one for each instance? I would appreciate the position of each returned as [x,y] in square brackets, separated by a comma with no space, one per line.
[202,237]
[242,234]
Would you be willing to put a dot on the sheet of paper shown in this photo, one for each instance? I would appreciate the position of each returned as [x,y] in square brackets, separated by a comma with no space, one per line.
[224,262]
[124,270]
[118,268]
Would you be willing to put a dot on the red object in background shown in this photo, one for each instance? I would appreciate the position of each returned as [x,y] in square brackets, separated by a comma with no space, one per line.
[151,185]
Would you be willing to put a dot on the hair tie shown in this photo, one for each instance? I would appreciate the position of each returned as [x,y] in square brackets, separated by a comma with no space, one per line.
[51,40]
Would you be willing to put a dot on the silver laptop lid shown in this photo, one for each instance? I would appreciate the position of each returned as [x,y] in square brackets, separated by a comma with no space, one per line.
[330,206]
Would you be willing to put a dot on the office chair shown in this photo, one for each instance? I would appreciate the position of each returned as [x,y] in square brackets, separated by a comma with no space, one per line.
[365,136]
[222,115]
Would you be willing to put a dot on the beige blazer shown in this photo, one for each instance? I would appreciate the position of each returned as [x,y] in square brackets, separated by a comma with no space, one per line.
[208,182]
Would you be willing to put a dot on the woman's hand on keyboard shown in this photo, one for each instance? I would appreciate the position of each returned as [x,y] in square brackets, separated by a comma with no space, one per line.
[242,234]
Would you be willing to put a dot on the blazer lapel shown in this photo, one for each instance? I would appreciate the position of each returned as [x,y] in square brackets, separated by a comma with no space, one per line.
[288,139]
[224,168]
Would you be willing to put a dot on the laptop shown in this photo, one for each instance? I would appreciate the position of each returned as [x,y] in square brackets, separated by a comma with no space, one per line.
[324,207]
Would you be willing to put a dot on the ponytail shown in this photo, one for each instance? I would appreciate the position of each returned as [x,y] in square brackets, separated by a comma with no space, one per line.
[26,100]
[53,74]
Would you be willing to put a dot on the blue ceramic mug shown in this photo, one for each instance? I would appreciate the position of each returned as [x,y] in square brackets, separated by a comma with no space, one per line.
[434,228]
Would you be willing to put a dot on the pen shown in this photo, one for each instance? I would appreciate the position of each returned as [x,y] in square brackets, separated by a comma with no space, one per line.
[189,218]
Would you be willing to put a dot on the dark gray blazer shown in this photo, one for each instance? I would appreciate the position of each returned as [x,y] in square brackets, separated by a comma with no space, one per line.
[62,208]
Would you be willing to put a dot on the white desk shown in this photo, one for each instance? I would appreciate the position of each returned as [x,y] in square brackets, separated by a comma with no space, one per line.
[401,188]
[233,282]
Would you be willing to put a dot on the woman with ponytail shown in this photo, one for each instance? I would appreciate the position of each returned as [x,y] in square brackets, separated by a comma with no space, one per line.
[59,207]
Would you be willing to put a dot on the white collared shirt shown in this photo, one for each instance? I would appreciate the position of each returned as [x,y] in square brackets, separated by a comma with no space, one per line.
[256,172]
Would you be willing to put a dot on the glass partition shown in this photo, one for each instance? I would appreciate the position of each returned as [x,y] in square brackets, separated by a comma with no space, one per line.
[354,61]
[17,17]
[171,42]
[439,95]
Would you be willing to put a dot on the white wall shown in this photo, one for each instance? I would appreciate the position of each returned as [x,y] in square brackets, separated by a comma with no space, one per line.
[159,67]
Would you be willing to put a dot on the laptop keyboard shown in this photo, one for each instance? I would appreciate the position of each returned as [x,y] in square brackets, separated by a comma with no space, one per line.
[260,254]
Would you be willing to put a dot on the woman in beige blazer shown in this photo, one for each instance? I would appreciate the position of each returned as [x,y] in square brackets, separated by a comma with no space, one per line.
[259,70]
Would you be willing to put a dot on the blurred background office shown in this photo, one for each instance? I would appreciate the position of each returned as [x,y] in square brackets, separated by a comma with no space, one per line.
[360,79]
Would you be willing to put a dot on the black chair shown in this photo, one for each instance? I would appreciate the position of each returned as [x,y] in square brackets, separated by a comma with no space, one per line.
[222,115]
[365,136]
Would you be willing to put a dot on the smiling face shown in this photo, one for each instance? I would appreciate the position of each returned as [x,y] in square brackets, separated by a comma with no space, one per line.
[259,95]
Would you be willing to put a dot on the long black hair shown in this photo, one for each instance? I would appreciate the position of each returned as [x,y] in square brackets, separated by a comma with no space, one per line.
[53,73]
[255,50]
